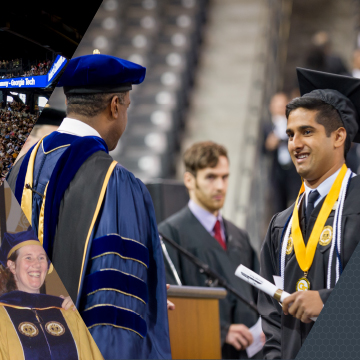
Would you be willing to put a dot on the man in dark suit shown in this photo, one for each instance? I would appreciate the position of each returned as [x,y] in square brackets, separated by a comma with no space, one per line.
[200,228]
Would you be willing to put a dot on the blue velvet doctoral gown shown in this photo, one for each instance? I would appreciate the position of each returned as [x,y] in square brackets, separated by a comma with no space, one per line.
[114,267]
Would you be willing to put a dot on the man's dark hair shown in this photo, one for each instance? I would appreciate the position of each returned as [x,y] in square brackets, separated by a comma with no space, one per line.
[326,115]
[90,105]
[202,155]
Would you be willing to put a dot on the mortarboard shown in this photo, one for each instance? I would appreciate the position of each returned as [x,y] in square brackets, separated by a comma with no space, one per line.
[342,92]
[12,242]
[51,116]
[98,73]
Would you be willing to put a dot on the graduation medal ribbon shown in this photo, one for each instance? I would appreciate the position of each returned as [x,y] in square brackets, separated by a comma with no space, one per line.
[305,254]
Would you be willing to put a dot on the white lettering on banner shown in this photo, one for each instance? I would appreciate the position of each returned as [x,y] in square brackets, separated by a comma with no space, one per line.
[4,83]
[56,67]
[18,83]
[30,81]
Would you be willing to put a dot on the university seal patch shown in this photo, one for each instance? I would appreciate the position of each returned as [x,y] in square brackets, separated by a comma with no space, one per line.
[28,329]
[55,328]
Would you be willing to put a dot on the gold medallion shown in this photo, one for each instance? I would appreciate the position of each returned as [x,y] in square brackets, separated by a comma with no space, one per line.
[326,236]
[55,328]
[305,253]
[28,329]
[303,284]
[289,246]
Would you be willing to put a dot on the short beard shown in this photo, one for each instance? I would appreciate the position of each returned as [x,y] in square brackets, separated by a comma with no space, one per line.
[210,208]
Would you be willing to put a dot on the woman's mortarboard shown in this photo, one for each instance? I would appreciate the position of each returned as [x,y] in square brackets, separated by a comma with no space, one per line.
[98,73]
[12,242]
[342,92]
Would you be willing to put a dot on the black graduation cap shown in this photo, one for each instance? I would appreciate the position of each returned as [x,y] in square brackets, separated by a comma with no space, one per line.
[51,116]
[342,92]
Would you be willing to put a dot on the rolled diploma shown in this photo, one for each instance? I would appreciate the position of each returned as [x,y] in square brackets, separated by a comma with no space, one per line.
[259,282]
[262,284]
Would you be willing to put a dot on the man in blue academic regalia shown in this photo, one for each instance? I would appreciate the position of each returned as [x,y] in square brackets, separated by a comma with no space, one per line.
[95,219]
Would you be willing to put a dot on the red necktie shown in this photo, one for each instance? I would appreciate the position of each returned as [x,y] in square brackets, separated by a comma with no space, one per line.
[218,236]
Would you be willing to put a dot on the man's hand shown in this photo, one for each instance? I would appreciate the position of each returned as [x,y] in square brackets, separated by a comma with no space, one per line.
[67,303]
[239,336]
[170,305]
[303,305]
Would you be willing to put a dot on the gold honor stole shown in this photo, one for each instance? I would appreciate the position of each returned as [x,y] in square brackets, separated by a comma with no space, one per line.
[305,254]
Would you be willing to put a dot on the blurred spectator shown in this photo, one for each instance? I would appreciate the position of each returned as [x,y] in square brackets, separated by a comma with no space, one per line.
[320,56]
[285,182]
[353,156]
[16,124]
[356,64]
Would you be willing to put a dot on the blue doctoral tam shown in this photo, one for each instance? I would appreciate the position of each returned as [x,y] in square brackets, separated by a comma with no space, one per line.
[98,73]
[12,242]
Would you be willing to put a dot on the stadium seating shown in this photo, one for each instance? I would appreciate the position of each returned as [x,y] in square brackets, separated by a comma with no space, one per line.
[164,36]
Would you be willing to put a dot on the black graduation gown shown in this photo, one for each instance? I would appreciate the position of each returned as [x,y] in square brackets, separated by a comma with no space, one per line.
[187,231]
[284,334]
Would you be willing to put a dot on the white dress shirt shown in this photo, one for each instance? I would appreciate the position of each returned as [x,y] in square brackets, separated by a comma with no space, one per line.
[323,188]
[207,219]
[77,127]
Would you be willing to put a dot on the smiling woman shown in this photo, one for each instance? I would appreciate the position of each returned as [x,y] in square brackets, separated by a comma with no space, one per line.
[29,266]
[39,325]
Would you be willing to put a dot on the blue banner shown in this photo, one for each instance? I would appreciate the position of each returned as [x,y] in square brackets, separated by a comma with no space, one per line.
[59,63]
[24,82]
[41,81]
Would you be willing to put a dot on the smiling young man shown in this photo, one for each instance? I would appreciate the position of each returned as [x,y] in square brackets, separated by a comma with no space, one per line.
[309,244]
[201,229]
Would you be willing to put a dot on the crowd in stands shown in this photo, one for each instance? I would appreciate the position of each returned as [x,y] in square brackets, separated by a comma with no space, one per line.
[16,68]
[16,124]
[6,64]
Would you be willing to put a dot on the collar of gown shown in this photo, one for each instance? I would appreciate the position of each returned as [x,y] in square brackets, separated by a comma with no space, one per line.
[206,219]
[77,127]
[35,301]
